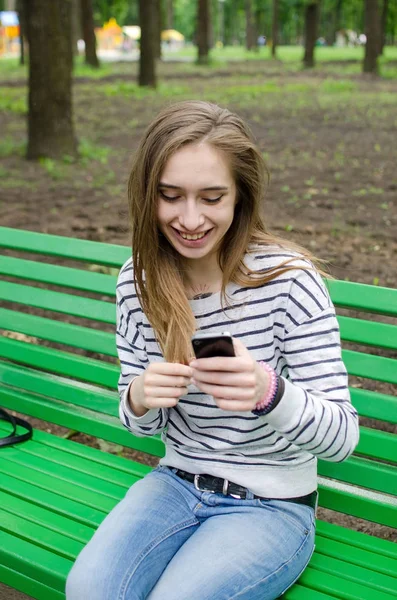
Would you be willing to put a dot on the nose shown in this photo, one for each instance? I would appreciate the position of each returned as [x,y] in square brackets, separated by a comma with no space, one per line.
[191,216]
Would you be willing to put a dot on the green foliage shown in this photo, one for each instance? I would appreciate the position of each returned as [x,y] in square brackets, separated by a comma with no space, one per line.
[132,90]
[89,151]
[13,100]
[10,146]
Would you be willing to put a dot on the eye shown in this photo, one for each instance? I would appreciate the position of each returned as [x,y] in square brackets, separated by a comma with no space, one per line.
[213,200]
[168,198]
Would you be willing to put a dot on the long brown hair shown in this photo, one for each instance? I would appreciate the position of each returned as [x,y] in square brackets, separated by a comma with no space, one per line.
[159,278]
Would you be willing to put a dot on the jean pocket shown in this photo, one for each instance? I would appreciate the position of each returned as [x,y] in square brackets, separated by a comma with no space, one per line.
[301,516]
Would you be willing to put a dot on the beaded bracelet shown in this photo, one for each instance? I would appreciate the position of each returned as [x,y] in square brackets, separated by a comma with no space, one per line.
[266,404]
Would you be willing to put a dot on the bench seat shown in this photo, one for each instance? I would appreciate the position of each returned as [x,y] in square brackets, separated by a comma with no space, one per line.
[47,519]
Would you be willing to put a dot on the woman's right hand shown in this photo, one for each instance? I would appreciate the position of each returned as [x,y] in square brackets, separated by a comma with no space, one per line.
[160,386]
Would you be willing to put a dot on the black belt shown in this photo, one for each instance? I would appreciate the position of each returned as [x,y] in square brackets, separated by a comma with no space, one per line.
[217,485]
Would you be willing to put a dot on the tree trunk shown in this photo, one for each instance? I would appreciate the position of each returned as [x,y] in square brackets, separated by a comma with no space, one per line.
[169,12]
[76,26]
[311,24]
[383,25]
[50,123]
[22,31]
[203,41]
[148,45]
[275,27]
[250,36]
[372,31]
[158,18]
[335,23]
[87,24]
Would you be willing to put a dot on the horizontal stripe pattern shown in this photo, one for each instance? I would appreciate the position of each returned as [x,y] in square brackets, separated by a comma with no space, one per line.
[289,323]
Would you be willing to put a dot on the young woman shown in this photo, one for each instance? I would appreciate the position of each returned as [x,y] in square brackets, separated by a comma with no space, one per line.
[230,511]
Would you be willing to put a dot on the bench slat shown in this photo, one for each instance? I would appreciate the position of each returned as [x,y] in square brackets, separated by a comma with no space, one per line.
[27,585]
[370,366]
[62,363]
[99,253]
[374,404]
[35,562]
[377,444]
[357,539]
[371,333]
[84,420]
[79,279]
[78,306]
[360,296]
[69,334]
[362,472]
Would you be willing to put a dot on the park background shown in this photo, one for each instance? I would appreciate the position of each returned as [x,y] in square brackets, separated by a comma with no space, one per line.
[320,99]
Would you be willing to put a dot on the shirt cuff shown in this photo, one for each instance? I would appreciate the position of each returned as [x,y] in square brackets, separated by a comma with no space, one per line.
[147,418]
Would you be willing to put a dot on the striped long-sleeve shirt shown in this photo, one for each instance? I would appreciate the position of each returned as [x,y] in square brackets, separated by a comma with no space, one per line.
[290,323]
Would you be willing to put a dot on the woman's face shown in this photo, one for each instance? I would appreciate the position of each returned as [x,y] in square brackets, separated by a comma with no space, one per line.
[196,201]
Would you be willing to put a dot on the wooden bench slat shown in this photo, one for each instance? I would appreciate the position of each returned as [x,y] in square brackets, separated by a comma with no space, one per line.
[374,404]
[33,561]
[363,558]
[362,472]
[348,590]
[366,332]
[300,592]
[40,536]
[370,366]
[99,253]
[357,539]
[63,363]
[363,297]
[84,420]
[78,306]
[79,279]
[69,334]
[27,585]
[358,506]
[46,517]
[377,444]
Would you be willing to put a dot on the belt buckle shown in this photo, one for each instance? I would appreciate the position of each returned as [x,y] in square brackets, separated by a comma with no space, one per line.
[197,485]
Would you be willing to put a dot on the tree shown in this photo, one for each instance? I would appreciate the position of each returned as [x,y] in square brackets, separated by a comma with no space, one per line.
[22,31]
[275,27]
[169,14]
[250,34]
[311,24]
[372,31]
[149,34]
[383,25]
[50,123]
[87,24]
[203,42]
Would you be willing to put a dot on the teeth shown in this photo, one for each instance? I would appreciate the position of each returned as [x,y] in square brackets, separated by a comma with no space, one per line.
[186,236]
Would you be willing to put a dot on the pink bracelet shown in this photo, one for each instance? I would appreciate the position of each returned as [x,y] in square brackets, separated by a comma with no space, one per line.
[272,390]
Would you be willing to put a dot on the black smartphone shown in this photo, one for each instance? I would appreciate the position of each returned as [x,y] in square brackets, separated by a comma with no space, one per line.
[207,345]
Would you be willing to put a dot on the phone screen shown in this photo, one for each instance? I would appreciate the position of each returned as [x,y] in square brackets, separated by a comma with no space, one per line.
[218,345]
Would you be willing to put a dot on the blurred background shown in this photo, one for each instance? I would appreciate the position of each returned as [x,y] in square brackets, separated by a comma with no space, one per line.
[316,80]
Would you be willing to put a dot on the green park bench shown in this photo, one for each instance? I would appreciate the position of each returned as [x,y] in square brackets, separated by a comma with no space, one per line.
[58,363]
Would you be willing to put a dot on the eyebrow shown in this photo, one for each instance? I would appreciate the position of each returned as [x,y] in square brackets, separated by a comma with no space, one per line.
[213,188]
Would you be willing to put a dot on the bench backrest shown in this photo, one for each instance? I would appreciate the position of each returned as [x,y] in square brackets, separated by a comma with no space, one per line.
[58,359]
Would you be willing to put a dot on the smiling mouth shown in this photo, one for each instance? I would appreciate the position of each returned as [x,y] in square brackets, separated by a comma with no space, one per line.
[192,237]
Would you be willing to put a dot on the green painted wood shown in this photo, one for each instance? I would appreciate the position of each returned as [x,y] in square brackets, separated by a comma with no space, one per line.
[374,404]
[358,506]
[78,306]
[33,561]
[377,444]
[363,297]
[99,253]
[58,331]
[107,428]
[370,366]
[27,585]
[335,585]
[367,332]
[357,539]
[362,472]
[63,363]
[356,556]
[40,536]
[45,517]
[59,388]
[378,582]
[299,592]
[79,279]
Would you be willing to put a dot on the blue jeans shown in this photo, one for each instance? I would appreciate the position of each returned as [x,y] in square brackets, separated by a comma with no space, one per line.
[168,541]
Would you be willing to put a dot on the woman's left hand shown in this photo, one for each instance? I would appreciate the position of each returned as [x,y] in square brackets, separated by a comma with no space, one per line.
[236,383]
